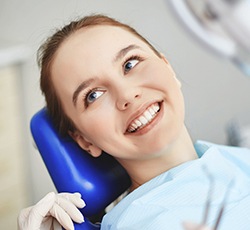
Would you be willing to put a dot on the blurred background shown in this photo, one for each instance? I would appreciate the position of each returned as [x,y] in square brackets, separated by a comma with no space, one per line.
[216,92]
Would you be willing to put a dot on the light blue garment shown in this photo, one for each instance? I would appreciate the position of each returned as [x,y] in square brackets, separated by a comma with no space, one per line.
[180,194]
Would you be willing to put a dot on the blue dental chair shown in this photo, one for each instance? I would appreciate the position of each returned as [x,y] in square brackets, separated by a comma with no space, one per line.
[100,180]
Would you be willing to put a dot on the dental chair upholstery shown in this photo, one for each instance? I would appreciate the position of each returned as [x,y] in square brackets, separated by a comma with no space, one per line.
[100,180]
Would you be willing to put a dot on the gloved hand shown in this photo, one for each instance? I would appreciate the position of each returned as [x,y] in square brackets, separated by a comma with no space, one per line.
[52,212]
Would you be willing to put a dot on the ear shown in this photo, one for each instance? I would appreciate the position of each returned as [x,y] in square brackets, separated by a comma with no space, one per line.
[85,144]
[171,69]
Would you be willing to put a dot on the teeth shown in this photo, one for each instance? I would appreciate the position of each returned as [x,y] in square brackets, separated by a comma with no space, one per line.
[138,123]
[148,115]
[152,112]
[144,119]
[156,108]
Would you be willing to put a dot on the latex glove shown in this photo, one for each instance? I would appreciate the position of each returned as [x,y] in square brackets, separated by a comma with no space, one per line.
[193,226]
[52,212]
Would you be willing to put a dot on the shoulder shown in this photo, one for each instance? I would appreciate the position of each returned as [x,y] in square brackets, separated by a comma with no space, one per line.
[202,146]
[233,153]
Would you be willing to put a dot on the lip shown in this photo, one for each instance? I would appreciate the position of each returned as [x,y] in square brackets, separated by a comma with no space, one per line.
[139,112]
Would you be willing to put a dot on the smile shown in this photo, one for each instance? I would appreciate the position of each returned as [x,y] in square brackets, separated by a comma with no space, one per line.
[143,120]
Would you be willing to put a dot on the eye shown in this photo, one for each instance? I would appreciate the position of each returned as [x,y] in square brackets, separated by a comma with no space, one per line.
[130,64]
[92,96]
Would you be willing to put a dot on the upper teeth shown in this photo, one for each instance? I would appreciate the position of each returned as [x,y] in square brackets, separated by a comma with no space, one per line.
[144,119]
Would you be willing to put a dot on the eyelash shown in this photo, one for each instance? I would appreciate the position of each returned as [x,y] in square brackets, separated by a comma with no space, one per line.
[85,96]
[133,57]
[87,93]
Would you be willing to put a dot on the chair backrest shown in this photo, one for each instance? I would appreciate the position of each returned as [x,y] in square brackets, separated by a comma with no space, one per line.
[100,180]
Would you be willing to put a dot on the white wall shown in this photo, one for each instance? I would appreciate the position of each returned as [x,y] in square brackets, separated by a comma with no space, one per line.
[215,90]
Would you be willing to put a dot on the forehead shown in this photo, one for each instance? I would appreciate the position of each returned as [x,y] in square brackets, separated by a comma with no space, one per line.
[92,49]
[99,40]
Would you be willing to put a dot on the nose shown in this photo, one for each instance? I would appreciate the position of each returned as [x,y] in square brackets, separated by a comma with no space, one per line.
[127,96]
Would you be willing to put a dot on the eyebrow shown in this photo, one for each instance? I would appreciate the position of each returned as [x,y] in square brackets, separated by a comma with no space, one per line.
[124,51]
[81,87]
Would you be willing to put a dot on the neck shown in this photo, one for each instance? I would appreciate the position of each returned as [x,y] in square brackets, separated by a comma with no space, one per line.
[178,152]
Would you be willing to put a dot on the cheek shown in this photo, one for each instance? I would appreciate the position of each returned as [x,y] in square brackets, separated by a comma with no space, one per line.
[158,76]
[97,125]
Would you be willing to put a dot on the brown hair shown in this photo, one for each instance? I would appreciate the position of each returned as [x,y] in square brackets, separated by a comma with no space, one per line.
[47,52]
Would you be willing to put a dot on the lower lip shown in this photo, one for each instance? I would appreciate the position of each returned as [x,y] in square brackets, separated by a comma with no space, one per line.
[151,125]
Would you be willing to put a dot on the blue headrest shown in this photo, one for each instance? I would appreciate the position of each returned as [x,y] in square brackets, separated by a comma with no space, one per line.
[100,180]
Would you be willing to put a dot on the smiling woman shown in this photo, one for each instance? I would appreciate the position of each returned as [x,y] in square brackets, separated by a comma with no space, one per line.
[129,78]
[112,91]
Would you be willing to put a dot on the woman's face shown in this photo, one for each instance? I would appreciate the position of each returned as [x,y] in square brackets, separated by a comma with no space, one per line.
[122,97]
